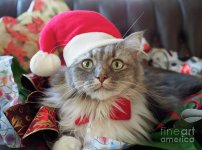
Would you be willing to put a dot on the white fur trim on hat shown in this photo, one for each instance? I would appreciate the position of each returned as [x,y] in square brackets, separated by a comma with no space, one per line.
[85,42]
[44,64]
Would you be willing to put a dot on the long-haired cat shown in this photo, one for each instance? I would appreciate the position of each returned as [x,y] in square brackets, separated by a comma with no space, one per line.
[109,79]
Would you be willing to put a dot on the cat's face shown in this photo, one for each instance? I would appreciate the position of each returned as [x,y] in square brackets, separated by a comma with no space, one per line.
[107,71]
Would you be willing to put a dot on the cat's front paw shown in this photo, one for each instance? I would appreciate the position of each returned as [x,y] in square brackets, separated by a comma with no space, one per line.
[67,143]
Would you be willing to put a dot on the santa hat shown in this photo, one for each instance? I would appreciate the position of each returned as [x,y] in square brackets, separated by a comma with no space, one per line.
[77,32]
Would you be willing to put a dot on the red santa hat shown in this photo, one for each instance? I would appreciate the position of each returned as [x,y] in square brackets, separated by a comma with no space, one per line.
[77,32]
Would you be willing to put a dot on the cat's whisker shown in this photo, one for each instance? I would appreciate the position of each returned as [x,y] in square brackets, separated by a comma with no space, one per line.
[77,88]
[132,91]
[66,85]
[72,89]
[78,82]
[60,85]
[70,92]
[149,93]
[142,88]
[78,97]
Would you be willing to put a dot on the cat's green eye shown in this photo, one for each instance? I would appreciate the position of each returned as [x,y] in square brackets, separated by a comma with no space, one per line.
[117,64]
[87,64]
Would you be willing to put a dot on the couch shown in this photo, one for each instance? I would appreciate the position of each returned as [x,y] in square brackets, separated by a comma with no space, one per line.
[174,25]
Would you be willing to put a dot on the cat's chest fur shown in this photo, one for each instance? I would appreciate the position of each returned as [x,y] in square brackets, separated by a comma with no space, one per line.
[133,130]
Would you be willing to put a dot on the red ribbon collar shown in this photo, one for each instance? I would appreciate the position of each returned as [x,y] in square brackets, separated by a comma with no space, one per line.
[123,113]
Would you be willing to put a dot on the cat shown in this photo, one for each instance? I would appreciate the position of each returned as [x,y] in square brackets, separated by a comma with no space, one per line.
[86,94]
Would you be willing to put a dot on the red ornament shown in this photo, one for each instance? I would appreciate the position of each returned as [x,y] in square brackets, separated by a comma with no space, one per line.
[146,48]
[186,69]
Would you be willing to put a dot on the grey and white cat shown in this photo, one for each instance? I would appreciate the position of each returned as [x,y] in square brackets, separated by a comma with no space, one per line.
[91,86]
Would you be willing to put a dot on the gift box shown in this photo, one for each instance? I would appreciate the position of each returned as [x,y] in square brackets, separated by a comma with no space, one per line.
[8,97]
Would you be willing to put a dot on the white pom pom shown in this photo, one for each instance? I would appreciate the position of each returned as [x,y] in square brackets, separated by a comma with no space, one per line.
[67,143]
[44,64]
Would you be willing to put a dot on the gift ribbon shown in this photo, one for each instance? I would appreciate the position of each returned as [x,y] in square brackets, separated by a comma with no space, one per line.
[192,102]
[31,121]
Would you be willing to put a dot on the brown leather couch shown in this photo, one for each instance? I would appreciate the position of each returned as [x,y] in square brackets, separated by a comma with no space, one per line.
[172,24]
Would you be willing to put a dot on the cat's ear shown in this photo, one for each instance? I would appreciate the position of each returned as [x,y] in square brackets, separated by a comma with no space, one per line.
[132,43]
[133,40]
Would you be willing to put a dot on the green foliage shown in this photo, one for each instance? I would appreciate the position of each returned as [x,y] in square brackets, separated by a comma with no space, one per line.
[17,72]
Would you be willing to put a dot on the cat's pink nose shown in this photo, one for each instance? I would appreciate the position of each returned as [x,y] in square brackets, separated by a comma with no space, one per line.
[102,77]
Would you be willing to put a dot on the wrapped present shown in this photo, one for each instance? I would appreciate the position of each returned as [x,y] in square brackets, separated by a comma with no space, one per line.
[8,97]
[192,102]
[182,128]
[8,88]
[169,60]
[104,143]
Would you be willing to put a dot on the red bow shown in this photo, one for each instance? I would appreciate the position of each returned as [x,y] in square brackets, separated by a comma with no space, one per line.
[123,113]
[31,122]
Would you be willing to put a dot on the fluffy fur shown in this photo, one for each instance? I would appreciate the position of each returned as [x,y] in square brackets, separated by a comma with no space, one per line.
[76,91]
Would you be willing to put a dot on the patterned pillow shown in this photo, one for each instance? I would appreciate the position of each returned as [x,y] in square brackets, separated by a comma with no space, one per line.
[19,36]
